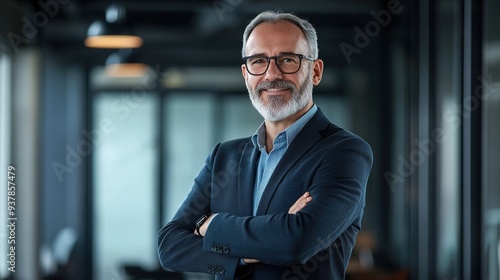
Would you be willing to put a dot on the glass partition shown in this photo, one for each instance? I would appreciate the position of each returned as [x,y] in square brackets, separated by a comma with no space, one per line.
[125,179]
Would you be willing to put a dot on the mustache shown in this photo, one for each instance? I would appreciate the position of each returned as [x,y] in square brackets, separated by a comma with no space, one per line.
[266,85]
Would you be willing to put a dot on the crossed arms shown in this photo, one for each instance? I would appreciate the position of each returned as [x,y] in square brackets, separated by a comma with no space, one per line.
[296,207]
[336,179]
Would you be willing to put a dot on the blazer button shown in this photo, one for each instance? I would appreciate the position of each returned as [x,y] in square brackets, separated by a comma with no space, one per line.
[214,248]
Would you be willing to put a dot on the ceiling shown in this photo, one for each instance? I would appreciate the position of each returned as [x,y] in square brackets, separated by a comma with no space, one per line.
[194,32]
[200,34]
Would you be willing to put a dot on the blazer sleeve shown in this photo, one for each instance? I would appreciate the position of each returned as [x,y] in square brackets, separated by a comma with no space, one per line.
[181,250]
[338,191]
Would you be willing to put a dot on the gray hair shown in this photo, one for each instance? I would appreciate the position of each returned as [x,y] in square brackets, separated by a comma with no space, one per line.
[275,17]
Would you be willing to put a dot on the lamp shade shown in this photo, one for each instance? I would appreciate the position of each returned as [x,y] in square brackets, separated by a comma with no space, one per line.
[112,35]
[123,65]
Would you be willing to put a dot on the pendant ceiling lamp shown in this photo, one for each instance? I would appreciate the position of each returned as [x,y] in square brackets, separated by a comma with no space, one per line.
[113,33]
[122,64]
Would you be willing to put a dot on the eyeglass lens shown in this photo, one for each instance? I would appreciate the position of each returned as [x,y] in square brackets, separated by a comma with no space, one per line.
[287,63]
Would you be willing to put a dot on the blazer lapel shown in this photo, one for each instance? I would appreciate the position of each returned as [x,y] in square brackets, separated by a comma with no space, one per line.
[246,180]
[305,140]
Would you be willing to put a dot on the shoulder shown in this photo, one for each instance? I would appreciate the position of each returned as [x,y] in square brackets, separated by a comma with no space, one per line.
[341,138]
[235,146]
[327,129]
[228,153]
[236,143]
[354,147]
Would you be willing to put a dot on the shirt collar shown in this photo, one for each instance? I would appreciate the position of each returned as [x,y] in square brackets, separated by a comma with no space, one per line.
[259,138]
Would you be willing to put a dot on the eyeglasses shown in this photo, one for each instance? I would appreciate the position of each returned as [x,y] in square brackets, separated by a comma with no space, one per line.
[288,63]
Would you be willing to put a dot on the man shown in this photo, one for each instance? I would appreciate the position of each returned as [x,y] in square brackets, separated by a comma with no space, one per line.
[286,203]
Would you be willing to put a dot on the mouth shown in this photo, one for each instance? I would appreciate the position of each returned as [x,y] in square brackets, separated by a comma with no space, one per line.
[278,87]
[276,91]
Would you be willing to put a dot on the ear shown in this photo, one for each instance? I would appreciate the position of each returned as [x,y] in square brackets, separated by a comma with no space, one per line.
[244,71]
[317,71]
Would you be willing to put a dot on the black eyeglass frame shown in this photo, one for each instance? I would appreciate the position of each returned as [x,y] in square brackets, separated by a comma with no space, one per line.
[268,58]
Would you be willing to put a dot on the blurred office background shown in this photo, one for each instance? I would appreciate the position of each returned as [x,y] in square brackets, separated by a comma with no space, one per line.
[104,157]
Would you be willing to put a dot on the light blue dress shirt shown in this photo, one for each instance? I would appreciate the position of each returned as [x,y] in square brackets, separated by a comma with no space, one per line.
[269,161]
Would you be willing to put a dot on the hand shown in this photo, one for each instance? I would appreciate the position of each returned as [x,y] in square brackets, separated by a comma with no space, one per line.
[300,203]
[250,261]
[296,207]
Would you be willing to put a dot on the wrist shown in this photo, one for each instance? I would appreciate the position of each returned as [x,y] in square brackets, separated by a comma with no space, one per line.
[201,222]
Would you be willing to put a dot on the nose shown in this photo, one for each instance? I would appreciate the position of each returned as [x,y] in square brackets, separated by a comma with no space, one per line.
[273,72]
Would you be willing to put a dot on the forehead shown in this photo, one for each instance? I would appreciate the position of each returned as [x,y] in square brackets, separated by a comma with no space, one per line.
[274,38]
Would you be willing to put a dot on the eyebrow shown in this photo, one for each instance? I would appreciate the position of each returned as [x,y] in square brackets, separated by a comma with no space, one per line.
[263,54]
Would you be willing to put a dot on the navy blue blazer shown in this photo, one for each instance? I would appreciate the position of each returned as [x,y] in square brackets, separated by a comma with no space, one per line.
[316,243]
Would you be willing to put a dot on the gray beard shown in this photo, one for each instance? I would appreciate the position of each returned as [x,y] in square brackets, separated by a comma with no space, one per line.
[277,108]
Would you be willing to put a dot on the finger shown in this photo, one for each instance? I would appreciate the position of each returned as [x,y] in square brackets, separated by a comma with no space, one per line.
[303,203]
[300,203]
[301,199]
[304,199]
[297,203]
[249,261]
[295,207]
